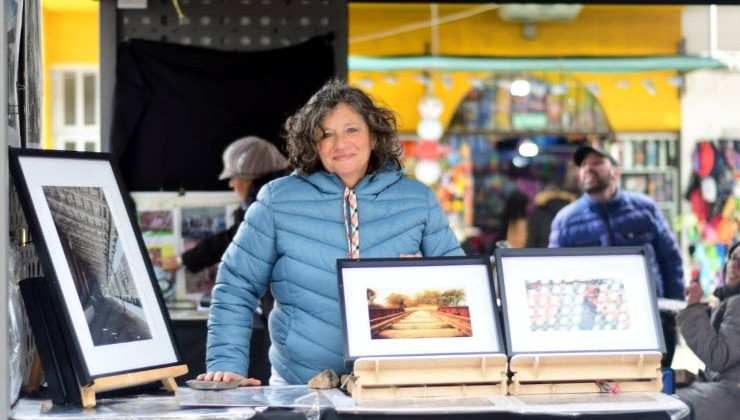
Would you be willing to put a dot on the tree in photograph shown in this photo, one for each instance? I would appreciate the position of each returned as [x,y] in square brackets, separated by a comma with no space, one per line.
[397,300]
[371,295]
[428,297]
[452,297]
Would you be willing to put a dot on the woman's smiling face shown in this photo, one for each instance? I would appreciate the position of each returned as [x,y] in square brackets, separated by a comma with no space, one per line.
[345,144]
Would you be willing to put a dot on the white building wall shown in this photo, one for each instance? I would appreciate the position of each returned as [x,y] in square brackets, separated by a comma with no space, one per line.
[710,104]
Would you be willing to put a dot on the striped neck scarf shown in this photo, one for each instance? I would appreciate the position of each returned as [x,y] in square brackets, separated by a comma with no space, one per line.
[351,223]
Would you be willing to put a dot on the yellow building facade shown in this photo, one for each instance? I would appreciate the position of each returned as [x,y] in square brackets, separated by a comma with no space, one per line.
[71,40]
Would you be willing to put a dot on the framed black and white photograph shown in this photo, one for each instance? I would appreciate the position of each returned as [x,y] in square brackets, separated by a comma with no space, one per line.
[418,306]
[578,300]
[93,255]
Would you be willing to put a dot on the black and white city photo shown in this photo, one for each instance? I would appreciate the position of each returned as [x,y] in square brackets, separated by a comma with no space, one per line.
[98,264]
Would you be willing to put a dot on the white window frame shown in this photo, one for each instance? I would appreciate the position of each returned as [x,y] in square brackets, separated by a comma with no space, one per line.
[78,132]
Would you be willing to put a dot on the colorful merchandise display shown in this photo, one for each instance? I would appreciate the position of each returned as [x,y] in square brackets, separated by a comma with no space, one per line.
[714,193]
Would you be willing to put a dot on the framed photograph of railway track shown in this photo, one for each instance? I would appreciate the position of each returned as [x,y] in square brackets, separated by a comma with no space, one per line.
[418,306]
[99,279]
[561,300]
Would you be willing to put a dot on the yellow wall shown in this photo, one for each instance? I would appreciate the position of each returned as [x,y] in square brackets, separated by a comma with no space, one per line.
[69,36]
[597,31]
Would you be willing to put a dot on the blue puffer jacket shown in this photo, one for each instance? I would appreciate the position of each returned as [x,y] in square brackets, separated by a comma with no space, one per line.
[291,237]
[628,219]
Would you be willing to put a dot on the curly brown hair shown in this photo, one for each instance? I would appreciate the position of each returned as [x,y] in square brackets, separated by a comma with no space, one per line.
[303,130]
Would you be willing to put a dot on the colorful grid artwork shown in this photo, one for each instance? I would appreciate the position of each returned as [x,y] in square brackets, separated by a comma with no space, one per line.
[572,305]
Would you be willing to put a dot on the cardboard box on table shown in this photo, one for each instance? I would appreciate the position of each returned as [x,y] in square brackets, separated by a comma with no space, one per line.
[613,345]
[461,355]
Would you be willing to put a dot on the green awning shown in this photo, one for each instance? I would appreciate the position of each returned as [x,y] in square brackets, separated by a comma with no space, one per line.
[566,64]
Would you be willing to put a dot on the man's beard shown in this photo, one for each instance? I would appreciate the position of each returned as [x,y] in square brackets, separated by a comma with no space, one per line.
[600,186]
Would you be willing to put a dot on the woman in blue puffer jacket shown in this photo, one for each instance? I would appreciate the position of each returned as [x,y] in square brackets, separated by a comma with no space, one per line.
[348,197]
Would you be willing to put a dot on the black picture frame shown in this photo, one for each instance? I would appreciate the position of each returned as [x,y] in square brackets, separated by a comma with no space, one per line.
[435,274]
[593,269]
[99,290]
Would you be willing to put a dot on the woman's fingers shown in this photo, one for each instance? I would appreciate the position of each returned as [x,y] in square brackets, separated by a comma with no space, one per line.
[250,382]
[220,376]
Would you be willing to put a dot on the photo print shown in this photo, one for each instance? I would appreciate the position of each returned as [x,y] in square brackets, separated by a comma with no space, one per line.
[100,270]
[199,223]
[95,264]
[156,222]
[418,306]
[568,305]
[578,300]
[166,281]
[418,313]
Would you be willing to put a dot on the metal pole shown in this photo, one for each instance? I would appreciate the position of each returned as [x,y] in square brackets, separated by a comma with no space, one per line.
[713,30]
[108,47]
[4,221]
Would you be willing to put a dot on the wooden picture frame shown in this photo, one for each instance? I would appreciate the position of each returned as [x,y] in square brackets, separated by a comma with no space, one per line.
[98,278]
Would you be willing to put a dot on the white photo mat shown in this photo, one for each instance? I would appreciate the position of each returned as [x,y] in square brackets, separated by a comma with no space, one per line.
[630,270]
[102,359]
[473,279]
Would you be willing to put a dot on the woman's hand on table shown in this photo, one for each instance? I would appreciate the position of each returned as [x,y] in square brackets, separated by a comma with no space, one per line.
[220,376]
[417,255]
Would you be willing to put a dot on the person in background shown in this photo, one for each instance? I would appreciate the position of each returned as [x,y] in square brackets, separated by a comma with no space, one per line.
[547,203]
[249,163]
[716,341]
[514,219]
[347,198]
[607,216]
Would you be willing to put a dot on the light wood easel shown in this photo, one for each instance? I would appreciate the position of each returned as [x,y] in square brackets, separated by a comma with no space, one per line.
[441,376]
[585,372]
[167,375]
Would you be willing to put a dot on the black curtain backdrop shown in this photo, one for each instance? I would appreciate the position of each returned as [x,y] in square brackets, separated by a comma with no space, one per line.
[176,108]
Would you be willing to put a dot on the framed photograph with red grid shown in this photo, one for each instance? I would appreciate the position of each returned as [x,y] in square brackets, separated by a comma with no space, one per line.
[561,300]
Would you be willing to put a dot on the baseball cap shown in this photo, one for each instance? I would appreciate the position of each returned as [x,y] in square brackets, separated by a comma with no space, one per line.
[250,158]
[585,149]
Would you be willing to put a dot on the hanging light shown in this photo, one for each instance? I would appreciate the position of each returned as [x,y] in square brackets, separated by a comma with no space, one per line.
[427,171]
[520,87]
[519,161]
[430,106]
[430,129]
[528,148]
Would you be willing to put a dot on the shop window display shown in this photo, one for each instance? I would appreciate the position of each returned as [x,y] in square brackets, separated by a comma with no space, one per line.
[712,225]
[484,157]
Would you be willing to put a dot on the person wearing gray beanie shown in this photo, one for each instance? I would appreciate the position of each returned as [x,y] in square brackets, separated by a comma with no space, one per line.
[249,163]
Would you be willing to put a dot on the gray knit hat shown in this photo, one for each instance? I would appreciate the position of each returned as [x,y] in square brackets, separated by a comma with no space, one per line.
[250,158]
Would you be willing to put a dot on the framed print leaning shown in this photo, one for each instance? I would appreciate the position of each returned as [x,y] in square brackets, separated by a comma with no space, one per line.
[101,282]
[418,306]
[578,300]
[580,320]
[421,327]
